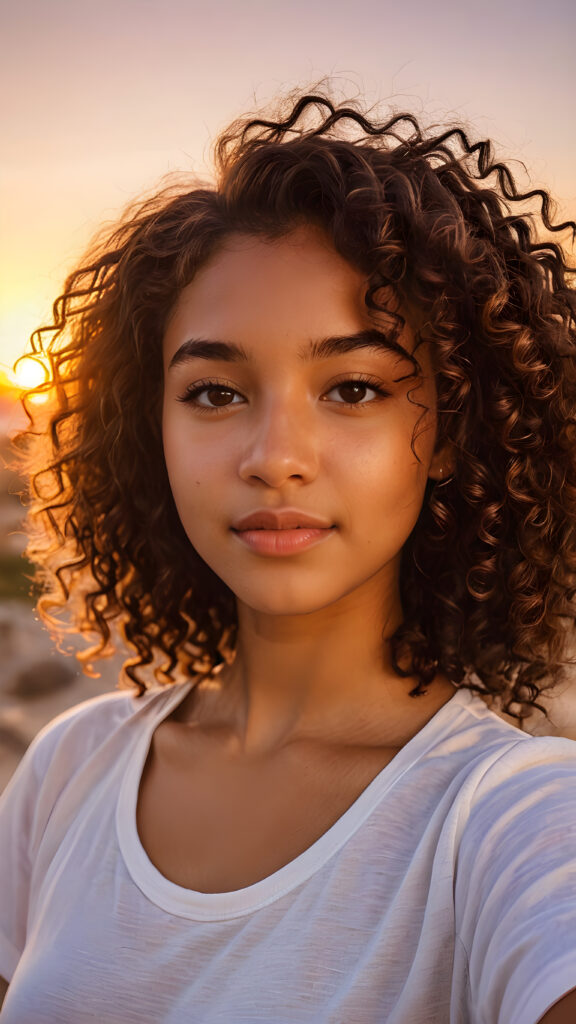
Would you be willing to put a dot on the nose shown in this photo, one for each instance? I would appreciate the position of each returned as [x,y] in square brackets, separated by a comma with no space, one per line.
[281,443]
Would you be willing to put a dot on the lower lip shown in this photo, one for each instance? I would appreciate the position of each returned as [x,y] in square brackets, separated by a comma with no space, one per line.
[282,542]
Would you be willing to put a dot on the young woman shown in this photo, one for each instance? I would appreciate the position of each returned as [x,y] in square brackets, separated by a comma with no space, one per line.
[310,449]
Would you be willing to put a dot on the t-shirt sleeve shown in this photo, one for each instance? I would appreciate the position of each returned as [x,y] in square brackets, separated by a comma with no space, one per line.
[515,888]
[29,800]
[19,819]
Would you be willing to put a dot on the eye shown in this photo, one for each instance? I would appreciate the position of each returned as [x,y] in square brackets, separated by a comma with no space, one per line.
[355,386]
[211,388]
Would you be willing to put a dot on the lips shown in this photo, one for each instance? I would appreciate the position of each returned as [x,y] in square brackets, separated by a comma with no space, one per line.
[280,519]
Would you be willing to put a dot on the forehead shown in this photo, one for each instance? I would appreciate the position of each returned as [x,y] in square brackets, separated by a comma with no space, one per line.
[271,294]
[306,248]
[278,275]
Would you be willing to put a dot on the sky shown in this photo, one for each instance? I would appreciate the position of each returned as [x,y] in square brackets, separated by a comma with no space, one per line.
[101,100]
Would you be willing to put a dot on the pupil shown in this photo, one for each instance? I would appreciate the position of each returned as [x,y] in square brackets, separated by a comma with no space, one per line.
[219,391]
[354,386]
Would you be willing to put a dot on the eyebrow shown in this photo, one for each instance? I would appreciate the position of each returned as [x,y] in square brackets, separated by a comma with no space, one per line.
[339,344]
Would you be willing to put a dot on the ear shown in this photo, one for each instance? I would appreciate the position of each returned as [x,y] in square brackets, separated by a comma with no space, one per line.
[442,464]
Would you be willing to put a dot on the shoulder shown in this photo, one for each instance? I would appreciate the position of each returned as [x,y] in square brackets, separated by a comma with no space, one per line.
[522,807]
[499,751]
[89,722]
[528,794]
[72,755]
[529,761]
[74,736]
[492,773]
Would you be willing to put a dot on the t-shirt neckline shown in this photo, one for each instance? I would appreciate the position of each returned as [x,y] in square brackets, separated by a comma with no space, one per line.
[190,903]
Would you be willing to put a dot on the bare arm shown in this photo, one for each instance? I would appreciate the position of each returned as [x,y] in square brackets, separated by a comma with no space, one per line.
[563,1012]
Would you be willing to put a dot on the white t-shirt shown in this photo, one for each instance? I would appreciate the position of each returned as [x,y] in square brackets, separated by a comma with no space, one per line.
[446,894]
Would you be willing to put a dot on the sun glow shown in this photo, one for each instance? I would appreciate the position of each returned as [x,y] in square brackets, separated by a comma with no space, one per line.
[30,372]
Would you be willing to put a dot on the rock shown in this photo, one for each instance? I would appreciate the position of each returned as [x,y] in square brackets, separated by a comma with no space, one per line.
[41,678]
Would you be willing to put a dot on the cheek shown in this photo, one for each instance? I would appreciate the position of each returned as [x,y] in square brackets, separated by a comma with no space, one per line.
[390,480]
[187,464]
[385,483]
[384,459]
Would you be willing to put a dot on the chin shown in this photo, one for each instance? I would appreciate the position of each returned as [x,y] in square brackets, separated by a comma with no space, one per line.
[302,603]
[286,608]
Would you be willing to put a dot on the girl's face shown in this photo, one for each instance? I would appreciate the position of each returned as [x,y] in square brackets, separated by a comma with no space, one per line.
[280,426]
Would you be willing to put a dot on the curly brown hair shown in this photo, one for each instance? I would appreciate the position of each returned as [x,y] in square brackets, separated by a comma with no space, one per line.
[488,575]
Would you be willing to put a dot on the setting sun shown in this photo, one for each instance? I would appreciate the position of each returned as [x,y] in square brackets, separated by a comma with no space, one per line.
[30,371]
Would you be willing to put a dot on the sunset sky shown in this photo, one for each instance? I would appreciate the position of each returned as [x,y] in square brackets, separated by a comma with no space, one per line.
[100,100]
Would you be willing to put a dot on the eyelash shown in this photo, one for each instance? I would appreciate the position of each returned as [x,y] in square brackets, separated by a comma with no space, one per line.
[192,393]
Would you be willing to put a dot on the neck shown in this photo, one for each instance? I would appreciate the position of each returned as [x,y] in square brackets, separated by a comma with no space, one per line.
[322,676]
